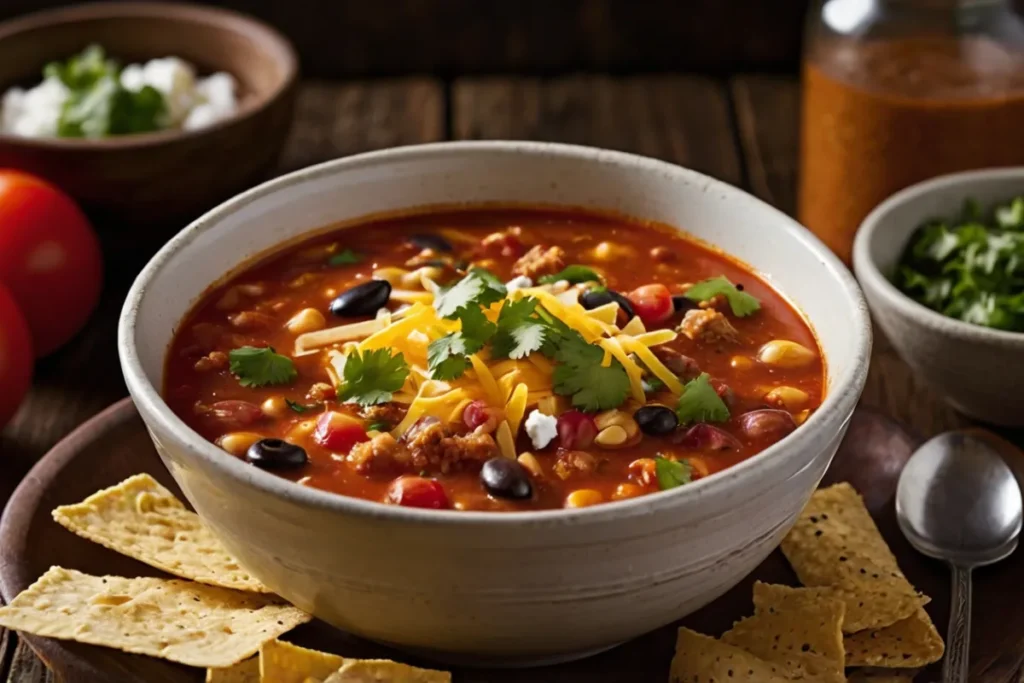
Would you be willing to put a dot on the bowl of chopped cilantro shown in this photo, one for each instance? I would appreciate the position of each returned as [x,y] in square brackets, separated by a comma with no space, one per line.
[148,114]
[942,267]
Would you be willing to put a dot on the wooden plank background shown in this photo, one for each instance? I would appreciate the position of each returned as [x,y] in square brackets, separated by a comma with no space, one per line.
[742,130]
[358,38]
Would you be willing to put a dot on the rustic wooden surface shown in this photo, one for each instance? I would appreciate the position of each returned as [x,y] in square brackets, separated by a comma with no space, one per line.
[742,130]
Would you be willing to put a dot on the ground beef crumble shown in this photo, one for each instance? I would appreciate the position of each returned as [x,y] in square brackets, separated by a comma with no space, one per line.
[432,448]
[708,325]
[540,261]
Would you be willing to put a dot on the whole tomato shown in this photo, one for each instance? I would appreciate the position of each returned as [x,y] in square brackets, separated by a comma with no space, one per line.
[49,258]
[15,356]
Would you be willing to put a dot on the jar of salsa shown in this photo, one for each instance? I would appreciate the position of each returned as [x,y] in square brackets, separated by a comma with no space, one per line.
[899,91]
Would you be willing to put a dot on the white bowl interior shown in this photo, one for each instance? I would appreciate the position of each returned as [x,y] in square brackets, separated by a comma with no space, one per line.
[773,244]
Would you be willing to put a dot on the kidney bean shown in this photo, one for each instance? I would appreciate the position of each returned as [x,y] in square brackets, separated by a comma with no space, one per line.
[706,437]
[234,413]
[767,424]
[576,430]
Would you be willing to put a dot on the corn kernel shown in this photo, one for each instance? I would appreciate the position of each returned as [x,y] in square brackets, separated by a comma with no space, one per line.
[741,363]
[625,491]
[782,353]
[582,498]
[306,320]
[275,406]
[529,461]
[790,398]
[610,437]
[237,443]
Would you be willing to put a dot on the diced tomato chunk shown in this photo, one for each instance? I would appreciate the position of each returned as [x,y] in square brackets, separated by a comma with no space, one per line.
[418,492]
[653,303]
[576,430]
[338,432]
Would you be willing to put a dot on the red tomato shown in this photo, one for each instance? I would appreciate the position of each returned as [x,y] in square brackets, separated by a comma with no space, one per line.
[576,430]
[418,492]
[15,356]
[49,258]
[338,432]
[653,303]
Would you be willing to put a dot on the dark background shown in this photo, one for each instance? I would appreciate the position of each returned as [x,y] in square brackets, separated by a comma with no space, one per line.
[369,38]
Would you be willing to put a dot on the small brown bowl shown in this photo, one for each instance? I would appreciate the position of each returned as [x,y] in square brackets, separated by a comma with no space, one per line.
[156,181]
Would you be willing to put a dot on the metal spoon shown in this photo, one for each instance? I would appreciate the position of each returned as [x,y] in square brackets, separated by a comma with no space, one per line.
[958,501]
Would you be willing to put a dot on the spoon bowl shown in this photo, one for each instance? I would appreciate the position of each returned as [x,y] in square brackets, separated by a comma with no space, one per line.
[957,500]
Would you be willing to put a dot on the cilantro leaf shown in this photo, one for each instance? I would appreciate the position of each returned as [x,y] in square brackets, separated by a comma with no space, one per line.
[741,303]
[652,385]
[671,473]
[447,356]
[260,366]
[519,332]
[479,287]
[378,427]
[345,258]
[579,374]
[701,403]
[84,70]
[299,408]
[373,376]
[573,274]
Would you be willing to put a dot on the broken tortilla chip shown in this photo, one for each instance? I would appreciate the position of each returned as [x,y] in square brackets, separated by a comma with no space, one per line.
[702,658]
[181,621]
[286,663]
[912,642]
[243,672]
[384,671]
[798,629]
[836,543]
[143,520]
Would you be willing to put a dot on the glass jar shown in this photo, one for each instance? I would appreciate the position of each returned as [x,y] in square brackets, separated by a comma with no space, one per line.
[898,91]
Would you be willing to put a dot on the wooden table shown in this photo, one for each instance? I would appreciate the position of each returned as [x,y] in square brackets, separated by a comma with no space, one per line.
[742,130]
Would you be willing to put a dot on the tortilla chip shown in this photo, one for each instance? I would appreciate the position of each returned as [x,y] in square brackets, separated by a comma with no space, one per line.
[798,629]
[180,621]
[243,672]
[912,642]
[384,671]
[836,543]
[143,520]
[881,676]
[286,663]
[702,658]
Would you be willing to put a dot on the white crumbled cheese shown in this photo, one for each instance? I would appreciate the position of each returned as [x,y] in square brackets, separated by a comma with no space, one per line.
[192,103]
[541,428]
[518,282]
[33,113]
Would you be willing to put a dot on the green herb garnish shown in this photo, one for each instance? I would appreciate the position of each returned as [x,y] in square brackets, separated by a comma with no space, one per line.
[579,374]
[741,303]
[701,403]
[344,258]
[671,473]
[372,377]
[652,385]
[378,427]
[520,332]
[573,275]
[300,408]
[98,105]
[448,357]
[479,288]
[971,268]
[260,366]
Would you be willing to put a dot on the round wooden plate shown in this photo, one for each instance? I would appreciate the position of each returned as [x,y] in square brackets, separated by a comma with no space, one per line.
[114,445]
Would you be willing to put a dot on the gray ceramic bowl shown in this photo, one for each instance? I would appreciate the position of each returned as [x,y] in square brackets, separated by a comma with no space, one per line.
[517,587]
[978,370]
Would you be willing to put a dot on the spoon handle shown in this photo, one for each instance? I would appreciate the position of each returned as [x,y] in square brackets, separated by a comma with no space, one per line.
[958,639]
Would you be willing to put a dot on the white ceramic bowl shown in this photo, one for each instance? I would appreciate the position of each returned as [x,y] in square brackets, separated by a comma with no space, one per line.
[526,587]
[979,370]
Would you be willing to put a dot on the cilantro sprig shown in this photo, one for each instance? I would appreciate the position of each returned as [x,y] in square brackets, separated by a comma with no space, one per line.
[448,357]
[520,331]
[479,288]
[671,473]
[741,303]
[574,274]
[970,267]
[372,377]
[579,374]
[344,258]
[259,366]
[700,402]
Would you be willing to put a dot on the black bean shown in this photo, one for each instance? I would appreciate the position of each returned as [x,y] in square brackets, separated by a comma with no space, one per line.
[276,454]
[506,478]
[593,298]
[656,420]
[435,242]
[681,303]
[364,299]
